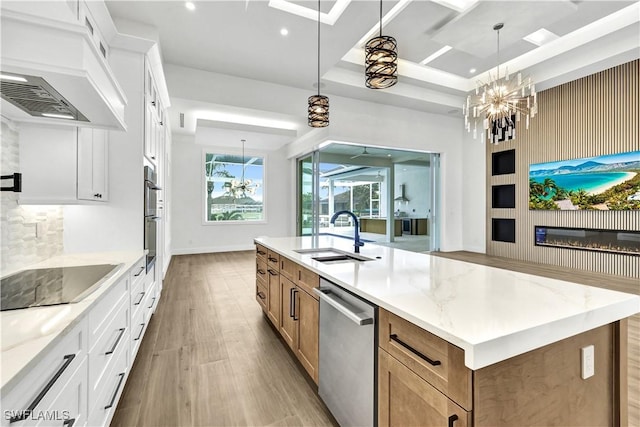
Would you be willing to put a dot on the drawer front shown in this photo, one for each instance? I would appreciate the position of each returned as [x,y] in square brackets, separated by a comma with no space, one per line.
[261,270]
[71,401]
[151,301]
[273,260]
[261,294]
[102,313]
[137,298]
[308,280]
[261,253]
[114,341]
[288,269]
[40,386]
[137,271]
[432,358]
[405,399]
[138,326]
[150,277]
[109,394]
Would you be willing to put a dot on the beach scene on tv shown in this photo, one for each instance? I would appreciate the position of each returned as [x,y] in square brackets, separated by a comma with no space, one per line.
[610,182]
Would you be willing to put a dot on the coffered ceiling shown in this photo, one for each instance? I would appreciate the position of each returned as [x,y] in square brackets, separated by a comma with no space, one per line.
[243,38]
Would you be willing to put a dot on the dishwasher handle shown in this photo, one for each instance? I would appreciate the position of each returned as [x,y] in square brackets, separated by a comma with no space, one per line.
[343,307]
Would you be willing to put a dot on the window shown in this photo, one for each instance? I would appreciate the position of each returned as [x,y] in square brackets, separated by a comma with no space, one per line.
[234,188]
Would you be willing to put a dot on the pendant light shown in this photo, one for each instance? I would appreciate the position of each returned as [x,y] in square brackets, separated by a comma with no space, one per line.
[318,104]
[381,60]
[239,189]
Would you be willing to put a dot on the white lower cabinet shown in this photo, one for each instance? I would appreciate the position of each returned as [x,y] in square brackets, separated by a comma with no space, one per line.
[55,390]
[80,380]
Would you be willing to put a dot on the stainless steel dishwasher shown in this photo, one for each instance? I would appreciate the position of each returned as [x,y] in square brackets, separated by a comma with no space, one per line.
[347,355]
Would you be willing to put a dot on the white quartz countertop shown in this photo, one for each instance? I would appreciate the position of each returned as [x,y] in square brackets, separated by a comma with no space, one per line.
[492,314]
[27,333]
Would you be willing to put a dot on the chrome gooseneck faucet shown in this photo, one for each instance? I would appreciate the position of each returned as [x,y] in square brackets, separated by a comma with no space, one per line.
[357,243]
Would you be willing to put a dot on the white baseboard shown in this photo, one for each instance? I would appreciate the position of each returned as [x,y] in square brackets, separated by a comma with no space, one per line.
[477,249]
[212,249]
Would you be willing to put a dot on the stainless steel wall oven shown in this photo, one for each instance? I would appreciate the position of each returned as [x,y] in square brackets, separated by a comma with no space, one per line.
[151,216]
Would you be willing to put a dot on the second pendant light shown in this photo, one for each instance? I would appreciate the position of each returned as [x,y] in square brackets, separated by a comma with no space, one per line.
[381,60]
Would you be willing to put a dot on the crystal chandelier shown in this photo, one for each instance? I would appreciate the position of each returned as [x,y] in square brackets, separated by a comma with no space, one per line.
[381,60]
[318,110]
[239,189]
[500,103]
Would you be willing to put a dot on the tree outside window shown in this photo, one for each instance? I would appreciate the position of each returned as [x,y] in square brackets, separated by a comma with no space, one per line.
[227,196]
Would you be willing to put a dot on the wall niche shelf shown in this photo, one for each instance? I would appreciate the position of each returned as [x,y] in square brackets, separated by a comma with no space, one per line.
[589,239]
[503,230]
[503,162]
[503,196]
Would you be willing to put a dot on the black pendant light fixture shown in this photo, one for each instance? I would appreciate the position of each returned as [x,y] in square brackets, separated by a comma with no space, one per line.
[381,60]
[318,104]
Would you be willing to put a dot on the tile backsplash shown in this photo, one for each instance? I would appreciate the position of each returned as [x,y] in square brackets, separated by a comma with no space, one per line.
[21,245]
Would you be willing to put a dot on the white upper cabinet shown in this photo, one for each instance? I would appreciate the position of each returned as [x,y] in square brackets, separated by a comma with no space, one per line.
[93,152]
[63,165]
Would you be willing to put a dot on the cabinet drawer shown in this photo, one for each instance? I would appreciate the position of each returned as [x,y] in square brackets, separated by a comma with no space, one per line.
[273,260]
[40,386]
[288,269]
[261,294]
[138,326]
[137,298]
[114,341]
[70,403]
[261,253]
[151,300]
[405,399]
[137,272]
[308,280]
[261,270]
[432,358]
[102,313]
[110,392]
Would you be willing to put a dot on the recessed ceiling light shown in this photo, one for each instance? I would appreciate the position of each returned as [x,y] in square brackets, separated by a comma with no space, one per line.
[436,54]
[473,70]
[540,37]
[190,5]
[388,155]
[13,78]
[284,31]
[57,116]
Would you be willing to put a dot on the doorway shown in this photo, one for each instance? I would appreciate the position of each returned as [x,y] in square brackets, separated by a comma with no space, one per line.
[393,192]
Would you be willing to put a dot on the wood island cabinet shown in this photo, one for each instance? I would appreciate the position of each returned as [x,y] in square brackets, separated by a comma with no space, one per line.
[422,381]
[290,304]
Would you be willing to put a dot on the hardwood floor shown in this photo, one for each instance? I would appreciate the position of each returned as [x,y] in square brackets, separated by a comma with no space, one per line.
[617,283]
[209,358]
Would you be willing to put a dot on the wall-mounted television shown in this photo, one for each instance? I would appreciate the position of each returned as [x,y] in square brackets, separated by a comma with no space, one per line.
[609,182]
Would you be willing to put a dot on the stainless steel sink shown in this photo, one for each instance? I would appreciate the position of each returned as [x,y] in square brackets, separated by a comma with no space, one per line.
[315,250]
[332,255]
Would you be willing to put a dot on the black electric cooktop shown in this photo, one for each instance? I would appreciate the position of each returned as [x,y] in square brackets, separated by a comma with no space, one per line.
[51,286]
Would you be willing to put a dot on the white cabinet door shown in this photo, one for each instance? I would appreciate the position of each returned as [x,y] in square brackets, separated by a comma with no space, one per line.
[92,164]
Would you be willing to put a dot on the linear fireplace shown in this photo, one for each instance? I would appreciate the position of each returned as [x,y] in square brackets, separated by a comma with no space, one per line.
[589,239]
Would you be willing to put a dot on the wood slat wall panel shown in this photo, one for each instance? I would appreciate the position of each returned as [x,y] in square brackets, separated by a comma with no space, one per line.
[595,115]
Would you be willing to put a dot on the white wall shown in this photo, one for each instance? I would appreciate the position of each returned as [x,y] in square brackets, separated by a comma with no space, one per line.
[189,235]
[474,195]
[417,189]
[361,122]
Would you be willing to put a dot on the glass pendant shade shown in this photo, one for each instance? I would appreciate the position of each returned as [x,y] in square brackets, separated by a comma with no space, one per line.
[381,62]
[318,111]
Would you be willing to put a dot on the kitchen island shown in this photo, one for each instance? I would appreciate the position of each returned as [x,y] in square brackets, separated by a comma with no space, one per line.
[510,344]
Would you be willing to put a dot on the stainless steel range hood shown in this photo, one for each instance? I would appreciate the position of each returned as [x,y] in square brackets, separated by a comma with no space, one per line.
[36,97]
[401,197]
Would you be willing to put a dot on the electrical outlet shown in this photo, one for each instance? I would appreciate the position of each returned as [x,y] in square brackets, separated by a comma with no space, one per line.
[588,361]
[40,231]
